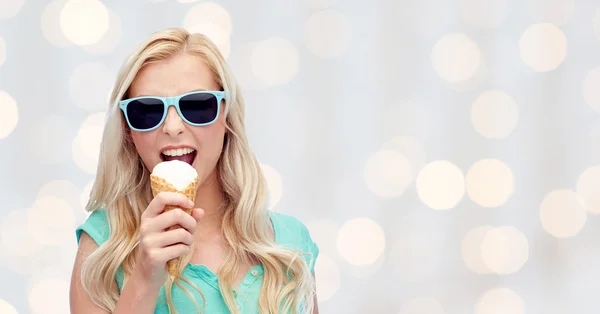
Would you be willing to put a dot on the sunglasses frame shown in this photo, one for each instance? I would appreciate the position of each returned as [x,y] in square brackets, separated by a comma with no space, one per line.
[172,101]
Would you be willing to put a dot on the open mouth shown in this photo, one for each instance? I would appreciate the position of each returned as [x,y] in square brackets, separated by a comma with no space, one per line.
[183,154]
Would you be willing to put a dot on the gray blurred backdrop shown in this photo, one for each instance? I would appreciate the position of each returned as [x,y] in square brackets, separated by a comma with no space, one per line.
[445,154]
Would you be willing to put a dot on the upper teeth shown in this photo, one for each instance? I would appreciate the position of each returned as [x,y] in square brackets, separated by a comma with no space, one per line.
[177,152]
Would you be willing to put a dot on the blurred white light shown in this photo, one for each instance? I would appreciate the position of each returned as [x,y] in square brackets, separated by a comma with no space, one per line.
[54,147]
[67,191]
[591,92]
[48,272]
[10,8]
[68,253]
[63,189]
[361,241]
[2,51]
[50,24]
[241,61]
[86,145]
[7,308]
[543,47]
[563,213]
[483,13]
[84,22]
[388,173]
[410,147]
[18,250]
[187,1]
[216,33]
[50,296]
[275,61]
[111,38]
[9,114]
[210,12]
[490,182]
[15,238]
[440,185]
[51,221]
[552,11]
[88,85]
[471,250]
[212,20]
[505,250]
[500,301]
[59,257]
[588,184]
[422,305]
[327,33]
[273,183]
[327,277]
[494,114]
[367,271]
[456,57]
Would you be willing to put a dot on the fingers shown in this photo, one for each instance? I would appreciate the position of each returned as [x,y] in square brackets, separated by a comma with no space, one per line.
[171,237]
[167,235]
[173,251]
[172,218]
[158,203]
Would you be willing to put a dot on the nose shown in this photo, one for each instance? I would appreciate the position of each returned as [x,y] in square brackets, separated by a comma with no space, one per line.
[173,125]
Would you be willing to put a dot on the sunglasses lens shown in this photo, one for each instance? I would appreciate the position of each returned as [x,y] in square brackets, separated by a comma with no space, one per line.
[199,108]
[145,113]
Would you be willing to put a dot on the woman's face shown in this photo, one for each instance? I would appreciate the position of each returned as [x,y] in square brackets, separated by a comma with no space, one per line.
[200,146]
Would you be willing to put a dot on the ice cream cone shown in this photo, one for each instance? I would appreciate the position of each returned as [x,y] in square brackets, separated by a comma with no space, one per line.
[159,181]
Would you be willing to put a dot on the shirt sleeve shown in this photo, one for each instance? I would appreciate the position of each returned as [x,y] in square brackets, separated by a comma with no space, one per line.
[310,247]
[96,226]
[293,234]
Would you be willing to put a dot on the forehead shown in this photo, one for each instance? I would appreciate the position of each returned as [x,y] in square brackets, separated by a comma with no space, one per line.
[177,75]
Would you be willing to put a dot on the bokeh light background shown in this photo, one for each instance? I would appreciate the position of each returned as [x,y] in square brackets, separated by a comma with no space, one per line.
[445,154]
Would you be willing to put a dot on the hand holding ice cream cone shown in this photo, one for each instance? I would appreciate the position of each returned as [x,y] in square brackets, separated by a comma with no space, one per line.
[174,176]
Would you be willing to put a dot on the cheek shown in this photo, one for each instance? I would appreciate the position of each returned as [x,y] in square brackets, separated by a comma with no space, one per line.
[211,144]
[143,144]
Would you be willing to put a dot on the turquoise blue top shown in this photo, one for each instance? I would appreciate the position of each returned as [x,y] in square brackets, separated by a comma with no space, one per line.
[289,232]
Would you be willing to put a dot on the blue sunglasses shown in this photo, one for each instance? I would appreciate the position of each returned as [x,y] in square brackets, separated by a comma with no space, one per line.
[147,113]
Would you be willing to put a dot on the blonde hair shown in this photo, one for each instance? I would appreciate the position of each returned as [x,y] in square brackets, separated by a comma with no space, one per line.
[122,188]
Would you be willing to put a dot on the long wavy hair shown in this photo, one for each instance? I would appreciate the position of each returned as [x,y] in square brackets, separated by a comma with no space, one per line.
[122,188]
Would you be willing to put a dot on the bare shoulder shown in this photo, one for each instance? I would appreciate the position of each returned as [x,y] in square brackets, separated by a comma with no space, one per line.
[80,301]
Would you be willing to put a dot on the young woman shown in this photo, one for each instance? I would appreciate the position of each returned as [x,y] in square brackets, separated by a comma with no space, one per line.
[175,98]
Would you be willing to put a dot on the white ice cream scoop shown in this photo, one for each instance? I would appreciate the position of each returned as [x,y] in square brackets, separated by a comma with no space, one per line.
[178,173]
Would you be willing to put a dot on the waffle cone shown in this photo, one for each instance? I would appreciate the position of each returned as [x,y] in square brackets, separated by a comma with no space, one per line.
[159,185]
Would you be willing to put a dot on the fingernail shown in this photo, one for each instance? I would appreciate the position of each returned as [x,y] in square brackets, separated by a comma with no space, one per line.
[191,203]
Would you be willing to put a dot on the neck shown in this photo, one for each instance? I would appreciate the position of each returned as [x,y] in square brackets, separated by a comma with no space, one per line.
[209,197]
